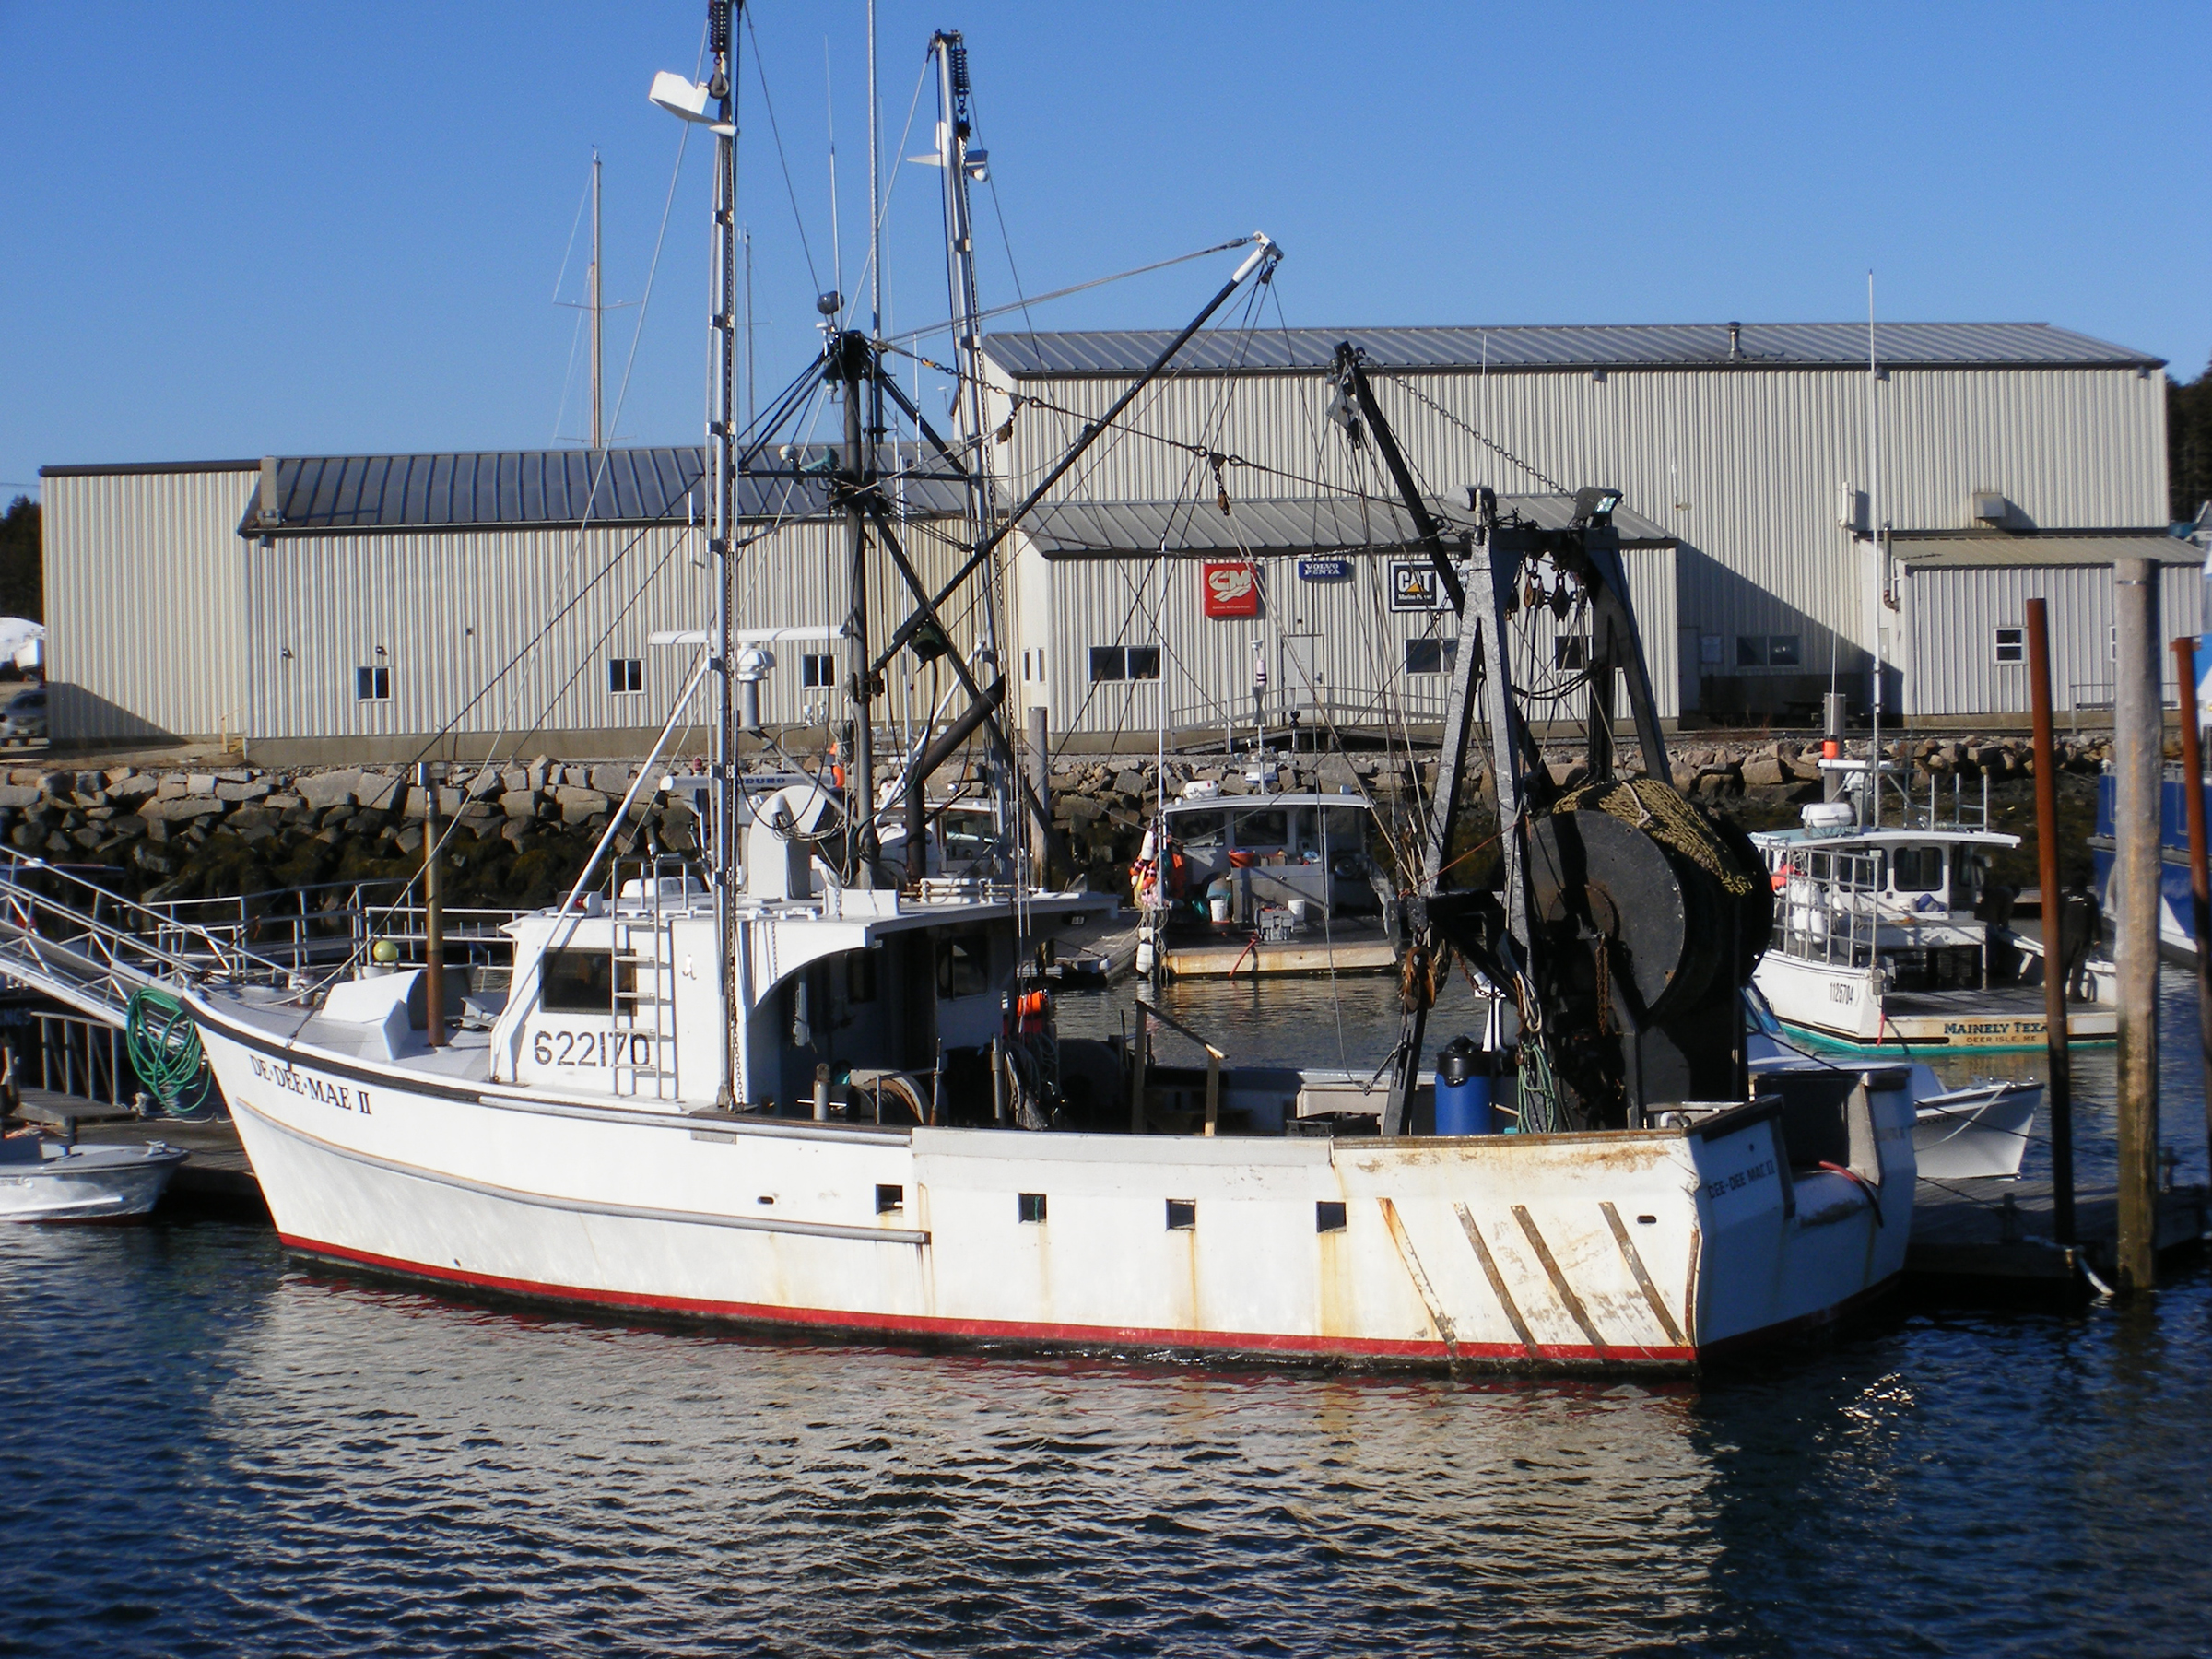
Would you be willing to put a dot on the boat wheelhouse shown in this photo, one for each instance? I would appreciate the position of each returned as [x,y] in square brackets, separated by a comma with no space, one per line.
[1883,936]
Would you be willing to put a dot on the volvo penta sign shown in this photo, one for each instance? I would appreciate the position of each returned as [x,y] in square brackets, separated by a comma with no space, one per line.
[1333,567]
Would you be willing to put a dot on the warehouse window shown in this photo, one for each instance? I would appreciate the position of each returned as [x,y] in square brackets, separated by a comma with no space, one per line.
[1570,650]
[1144,662]
[1108,662]
[372,685]
[2011,645]
[817,669]
[1430,656]
[1768,651]
[624,674]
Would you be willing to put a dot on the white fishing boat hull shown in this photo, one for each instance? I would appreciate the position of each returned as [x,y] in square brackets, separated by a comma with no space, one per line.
[87,1183]
[1656,1249]
[1970,1133]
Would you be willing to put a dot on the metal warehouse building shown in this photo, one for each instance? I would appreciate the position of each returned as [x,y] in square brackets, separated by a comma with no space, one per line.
[1335,621]
[1228,540]
[1748,446]
[455,605]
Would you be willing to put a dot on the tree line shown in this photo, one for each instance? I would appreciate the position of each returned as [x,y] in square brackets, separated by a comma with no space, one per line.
[22,589]
[2189,444]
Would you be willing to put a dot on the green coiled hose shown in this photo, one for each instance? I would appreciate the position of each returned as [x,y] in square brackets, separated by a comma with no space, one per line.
[165,1048]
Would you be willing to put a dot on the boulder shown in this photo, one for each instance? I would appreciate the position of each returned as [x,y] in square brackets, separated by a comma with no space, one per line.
[242,792]
[1766,771]
[17,794]
[614,780]
[519,802]
[319,790]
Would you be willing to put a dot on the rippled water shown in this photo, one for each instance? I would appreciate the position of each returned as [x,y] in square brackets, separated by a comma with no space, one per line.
[211,1452]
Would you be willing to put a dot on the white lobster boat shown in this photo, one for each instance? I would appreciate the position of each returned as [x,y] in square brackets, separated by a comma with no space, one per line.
[791,1089]
[1878,943]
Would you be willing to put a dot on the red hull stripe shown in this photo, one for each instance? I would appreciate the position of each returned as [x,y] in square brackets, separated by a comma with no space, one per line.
[993,1330]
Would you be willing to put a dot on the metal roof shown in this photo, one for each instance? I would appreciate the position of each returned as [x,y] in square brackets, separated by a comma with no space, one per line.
[1987,550]
[1276,524]
[515,489]
[1608,346]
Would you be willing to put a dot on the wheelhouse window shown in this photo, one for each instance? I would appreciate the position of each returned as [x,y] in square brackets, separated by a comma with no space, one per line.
[372,685]
[1264,826]
[1199,830]
[578,982]
[1916,869]
[963,966]
[625,675]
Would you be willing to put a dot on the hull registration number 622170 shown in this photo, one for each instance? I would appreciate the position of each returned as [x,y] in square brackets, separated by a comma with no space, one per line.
[592,1050]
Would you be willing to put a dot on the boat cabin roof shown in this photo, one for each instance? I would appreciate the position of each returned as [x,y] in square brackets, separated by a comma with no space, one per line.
[1885,836]
[1249,803]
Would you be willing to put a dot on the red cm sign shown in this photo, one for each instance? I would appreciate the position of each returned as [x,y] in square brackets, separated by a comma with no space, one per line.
[1231,590]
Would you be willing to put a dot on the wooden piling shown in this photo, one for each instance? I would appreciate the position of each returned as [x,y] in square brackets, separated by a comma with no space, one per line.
[2200,882]
[2058,1092]
[2138,752]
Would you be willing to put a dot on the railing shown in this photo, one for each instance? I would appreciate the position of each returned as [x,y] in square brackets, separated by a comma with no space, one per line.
[1826,910]
[73,939]
[71,1055]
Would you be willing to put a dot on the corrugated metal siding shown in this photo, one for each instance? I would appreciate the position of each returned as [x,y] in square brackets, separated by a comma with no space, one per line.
[1953,614]
[534,615]
[1354,645]
[145,605]
[1746,466]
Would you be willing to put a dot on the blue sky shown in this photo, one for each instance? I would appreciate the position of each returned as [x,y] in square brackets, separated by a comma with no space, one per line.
[241,228]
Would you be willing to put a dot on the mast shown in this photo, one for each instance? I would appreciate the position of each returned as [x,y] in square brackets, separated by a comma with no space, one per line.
[722,443]
[853,360]
[1871,810]
[598,310]
[876,427]
[960,165]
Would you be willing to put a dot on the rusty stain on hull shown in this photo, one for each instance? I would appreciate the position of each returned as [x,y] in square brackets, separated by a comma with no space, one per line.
[1571,1303]
[1437,1316]
[1644,1279]
[1498,1285]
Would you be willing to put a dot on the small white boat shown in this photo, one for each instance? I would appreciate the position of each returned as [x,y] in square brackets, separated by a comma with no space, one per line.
[1957,1134]
[44,1180]
[1879,943]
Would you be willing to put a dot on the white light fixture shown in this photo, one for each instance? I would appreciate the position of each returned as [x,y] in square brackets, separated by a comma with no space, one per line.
[682,96]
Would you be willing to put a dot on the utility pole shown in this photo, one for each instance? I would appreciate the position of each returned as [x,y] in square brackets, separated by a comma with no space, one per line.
[2138,722]
[2059,1092]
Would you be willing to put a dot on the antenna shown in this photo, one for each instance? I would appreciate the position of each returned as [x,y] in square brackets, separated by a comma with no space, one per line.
[837,260]
[598,306]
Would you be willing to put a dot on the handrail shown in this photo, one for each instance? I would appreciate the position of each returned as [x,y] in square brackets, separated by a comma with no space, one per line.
[1213,1057]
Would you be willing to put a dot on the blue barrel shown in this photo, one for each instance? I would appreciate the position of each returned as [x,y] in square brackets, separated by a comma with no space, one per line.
[1463,1089]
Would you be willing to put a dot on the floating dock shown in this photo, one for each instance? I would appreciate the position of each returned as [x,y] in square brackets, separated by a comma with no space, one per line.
[1990,1237]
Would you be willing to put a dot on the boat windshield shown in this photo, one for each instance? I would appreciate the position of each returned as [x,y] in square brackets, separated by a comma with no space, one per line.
[1334,829]
[1916,869]
[1199,830]
[1263,827]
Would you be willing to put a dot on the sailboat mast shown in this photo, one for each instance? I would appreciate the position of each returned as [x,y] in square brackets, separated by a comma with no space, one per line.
[599,316]
[721,449]
[1872,811]
[876,427]
[855,361]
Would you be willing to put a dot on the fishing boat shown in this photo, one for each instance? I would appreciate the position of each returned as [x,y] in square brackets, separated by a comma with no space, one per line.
[1883,940]
[2177,904]
[51,1178]
[1981,1130]
[795,1086]
[1263,884]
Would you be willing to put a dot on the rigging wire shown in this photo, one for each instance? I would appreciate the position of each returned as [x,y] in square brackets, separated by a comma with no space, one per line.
[775,131]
